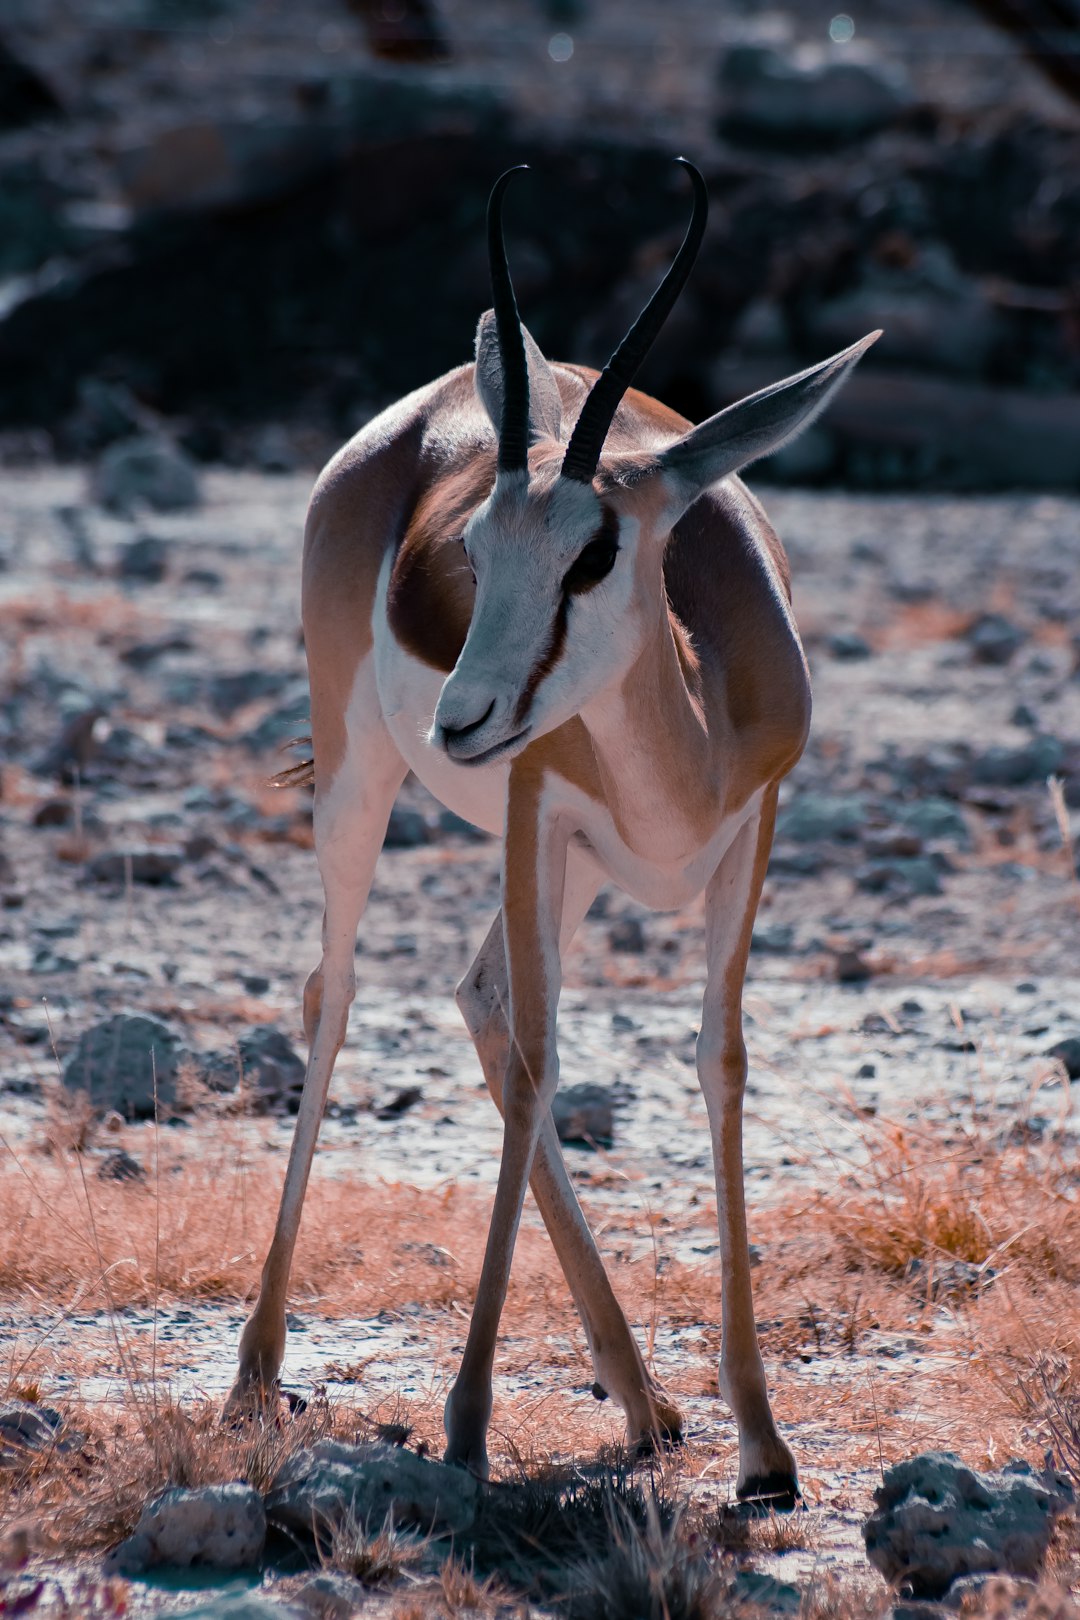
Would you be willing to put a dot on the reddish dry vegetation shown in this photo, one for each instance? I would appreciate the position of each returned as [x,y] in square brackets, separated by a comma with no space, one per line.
[962,1240]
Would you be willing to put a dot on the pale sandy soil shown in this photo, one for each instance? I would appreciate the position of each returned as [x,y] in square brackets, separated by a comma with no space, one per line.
[970,986]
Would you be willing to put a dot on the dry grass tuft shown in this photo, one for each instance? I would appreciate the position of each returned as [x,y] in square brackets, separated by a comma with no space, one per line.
[375,1558]
[463,1591]
[923,1198]
[91,1496]
[828,1597]
[648,1570]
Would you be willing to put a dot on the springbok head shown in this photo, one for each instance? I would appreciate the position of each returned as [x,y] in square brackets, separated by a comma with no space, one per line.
[567,549]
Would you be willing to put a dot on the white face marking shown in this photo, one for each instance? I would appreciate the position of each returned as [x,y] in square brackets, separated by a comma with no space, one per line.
[538,648]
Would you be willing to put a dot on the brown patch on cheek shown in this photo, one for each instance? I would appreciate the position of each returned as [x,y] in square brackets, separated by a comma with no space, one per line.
[431,594]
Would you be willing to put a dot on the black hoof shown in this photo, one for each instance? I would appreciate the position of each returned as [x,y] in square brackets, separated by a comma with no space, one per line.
[763,1494]
[669,1437]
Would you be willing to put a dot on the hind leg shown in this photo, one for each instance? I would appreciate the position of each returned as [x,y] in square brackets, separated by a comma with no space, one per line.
[351,813]
[617,1362]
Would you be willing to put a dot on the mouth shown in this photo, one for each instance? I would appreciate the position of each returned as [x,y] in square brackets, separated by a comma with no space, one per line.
[488,756]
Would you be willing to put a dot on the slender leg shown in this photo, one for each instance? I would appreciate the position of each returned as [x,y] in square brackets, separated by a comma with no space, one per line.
[766,1465]
[534,868]
[483,997]
[351,813]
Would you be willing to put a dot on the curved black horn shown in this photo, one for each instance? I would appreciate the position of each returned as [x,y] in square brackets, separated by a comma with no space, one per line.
[590,431]
[514,428]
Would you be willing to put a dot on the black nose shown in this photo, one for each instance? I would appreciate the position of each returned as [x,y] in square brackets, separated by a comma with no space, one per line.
[459,733]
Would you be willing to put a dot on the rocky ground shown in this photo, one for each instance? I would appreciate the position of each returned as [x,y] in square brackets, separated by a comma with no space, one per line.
[913,971]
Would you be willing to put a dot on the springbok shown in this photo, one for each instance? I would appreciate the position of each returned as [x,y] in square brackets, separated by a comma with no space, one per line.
[588,647]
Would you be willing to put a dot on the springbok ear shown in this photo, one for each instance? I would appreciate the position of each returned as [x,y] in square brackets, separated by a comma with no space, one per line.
[753,427]
[545,402]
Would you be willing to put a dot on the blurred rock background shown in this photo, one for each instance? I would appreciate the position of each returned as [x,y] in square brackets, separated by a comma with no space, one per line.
[247,225]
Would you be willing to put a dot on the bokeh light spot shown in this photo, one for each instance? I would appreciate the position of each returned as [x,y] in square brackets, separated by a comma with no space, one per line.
[841,29]
[560,47]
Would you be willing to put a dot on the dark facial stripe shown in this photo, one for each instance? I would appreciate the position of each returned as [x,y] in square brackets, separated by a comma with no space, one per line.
[608,530]
[547,661]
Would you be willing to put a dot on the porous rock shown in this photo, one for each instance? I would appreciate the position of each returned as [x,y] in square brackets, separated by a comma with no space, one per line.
[153,864]
[583,1113]
[770,99]
[811,816]
[937,1520]
[245,1606]
[1067,1052]
[24,1428]
[406,829]
[146,471]
[221,1526]
[331,1596]
[993,639]
[325,1482]
[760,1591]
[118,1061]
[272,1067]
[145,559]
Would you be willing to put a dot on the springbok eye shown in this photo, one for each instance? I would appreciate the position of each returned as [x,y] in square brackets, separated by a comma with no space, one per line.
[592,564]
[468,560]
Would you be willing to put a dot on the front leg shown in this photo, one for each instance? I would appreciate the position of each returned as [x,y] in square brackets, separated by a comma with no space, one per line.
[534,872]
[766,1465]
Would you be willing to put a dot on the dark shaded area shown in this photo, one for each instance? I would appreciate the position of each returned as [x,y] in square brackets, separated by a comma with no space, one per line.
[298,271]
[1048,32]
[25,96]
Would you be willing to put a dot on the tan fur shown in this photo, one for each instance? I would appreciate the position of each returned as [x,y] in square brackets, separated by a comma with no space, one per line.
[673,763]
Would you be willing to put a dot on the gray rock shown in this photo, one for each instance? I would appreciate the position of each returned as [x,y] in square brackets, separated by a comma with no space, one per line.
[406,829]
[145,559]
[765,98]
[76,745]
[324,1482]
[993,639]
[120,1166]
[273,1071]
[584,1114]
[848,647]
[935,317]
[902,877]
[811,816]
[627,934]
[774,938]
[330,1596]
[753,1586]
[289,720]
[156,865]
[1067,1052]
[26,1428]
[145,471]
[967,1592]
[116,1062]
[1031,762]
[935,819]
[222,1526]
[245,1606]
[235,689]
[936,1521]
